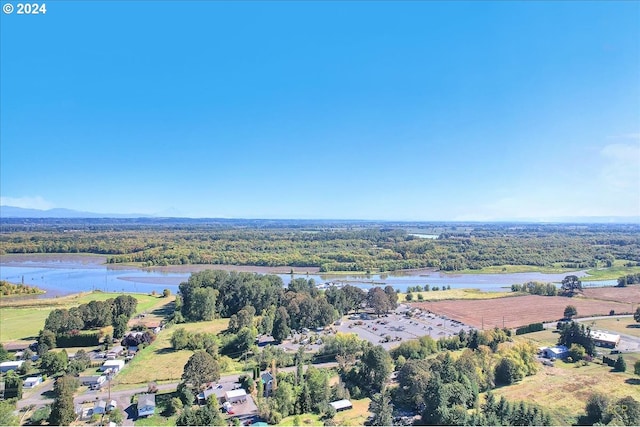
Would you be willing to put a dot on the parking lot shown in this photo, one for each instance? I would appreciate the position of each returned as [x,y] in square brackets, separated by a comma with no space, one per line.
[403,324]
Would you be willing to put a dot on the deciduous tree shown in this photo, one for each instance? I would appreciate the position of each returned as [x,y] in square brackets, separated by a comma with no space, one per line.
[200,369]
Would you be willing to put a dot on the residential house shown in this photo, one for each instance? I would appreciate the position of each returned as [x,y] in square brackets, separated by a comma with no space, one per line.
[94,382]
[146,404]
[12,365]
[558,352]
[100,407]
[267,381]
[114,365]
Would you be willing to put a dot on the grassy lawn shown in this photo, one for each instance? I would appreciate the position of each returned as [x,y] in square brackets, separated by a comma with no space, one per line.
[156,420]
[351,417]
[159,361]
[456,294]
[622,325]
[22,320]
[564,389]
[548,337]
[611,273]
[162,401]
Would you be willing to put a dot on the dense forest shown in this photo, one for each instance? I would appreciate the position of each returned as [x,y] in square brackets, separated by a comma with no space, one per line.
[329,246]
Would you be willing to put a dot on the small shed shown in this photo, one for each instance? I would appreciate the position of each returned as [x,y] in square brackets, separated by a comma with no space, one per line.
[236,396]
[12,365]
[341,405]
[114,365]
[31,382]
[146,405]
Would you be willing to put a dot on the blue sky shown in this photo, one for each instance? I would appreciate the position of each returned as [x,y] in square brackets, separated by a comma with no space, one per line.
[358,110]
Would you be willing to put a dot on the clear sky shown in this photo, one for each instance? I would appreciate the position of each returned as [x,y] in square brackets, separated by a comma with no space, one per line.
[345,110]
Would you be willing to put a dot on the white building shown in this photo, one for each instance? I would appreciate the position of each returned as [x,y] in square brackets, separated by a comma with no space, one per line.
[341,405]
[114,365]
[31,382]
[12,365]
[236,396]
[605,339]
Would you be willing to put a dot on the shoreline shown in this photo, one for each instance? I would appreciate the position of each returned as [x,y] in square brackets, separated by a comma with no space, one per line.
[72,261]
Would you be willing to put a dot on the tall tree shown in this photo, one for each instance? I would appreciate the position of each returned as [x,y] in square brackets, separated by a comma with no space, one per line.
[281,328]
[382,408]
[378,300]
[596,407]
[200,369]
[570,285]
[375,368]
[62,410]
[120,326]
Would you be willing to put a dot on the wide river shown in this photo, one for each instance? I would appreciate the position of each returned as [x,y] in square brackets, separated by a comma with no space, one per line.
[77,274]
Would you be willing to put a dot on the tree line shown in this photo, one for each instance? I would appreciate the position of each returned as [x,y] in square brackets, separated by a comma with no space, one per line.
[337,247]
[240,296]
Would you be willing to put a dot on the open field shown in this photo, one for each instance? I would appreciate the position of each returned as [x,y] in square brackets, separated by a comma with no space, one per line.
[159,361]
[611,273]
[456,294]
[520,310]
[351,417]
[564,389]
[23,319]
[629,294]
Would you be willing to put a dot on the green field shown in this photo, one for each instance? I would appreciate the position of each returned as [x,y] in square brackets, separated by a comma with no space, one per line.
[611,273]
[564,389]
[351,417]
[23,319]
[159,362]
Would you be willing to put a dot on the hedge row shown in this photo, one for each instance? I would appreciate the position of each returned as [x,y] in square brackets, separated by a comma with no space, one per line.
[80,340]
[533,327]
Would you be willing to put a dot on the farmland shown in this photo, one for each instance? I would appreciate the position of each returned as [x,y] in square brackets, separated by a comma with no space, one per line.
[21,320]
[522,310]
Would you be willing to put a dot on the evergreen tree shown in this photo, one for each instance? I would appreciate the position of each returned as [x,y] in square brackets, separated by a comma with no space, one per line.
[281,327]
[382,409]
[620,365]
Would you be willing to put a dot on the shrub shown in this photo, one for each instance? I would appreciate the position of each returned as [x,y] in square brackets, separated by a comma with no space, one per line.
[620,365]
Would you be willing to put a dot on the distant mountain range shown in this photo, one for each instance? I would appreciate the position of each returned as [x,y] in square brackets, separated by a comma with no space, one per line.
[15,212]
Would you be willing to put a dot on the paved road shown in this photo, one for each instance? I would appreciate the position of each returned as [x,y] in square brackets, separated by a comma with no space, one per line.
[40,396]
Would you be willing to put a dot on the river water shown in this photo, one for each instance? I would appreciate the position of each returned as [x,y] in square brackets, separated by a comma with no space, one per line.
[62,278]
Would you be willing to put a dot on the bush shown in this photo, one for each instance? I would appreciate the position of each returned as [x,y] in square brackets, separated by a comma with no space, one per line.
[41,415]
[620,365]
